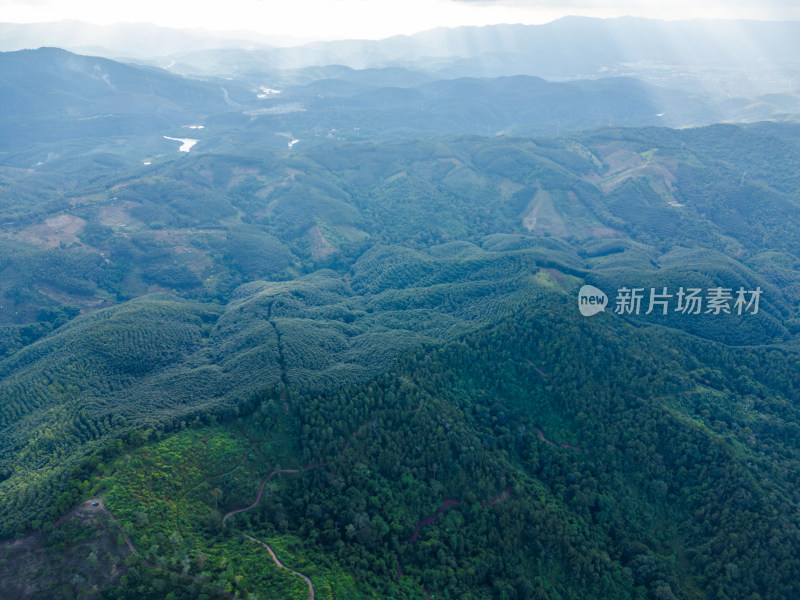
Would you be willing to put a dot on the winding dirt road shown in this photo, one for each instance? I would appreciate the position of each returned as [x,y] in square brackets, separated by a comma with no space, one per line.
[502,498]
[562,445]
[258,499]
[260,491]
[282,566]
[538,370]
[113,520]
[539,431]
[276,471]
[427,521]
[447,504]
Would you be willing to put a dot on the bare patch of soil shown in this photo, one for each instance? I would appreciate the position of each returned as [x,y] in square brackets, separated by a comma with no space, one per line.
[54,231]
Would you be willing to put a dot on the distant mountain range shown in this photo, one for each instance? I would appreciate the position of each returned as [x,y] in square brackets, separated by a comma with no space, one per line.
[697,52]
[52,82]
[52,95]
[129,39]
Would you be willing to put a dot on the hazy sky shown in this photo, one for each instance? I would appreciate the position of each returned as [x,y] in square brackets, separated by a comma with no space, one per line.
[374,18]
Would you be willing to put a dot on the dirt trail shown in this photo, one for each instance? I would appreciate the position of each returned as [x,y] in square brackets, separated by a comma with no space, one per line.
[502,498]
[447,504]
[260,491]
[128,541]
[282,566]
[427,521]
[539,431]
[276,471]
[352,437]
[538,370]
[665,396]
[562,445]
[132,548]
[73,512]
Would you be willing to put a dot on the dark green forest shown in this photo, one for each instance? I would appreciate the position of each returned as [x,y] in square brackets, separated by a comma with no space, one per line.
[574,457]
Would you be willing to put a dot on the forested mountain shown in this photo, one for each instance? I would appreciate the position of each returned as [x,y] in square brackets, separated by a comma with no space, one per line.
[337,326]
[547,456]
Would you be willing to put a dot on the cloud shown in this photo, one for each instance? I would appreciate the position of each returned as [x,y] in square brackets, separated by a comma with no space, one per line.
[331,19]
[675,9]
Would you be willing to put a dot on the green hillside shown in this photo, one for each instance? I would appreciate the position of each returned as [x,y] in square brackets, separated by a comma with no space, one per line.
[422,242]
[590,455]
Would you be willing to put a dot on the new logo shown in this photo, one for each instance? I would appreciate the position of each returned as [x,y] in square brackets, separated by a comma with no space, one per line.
[591,300]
